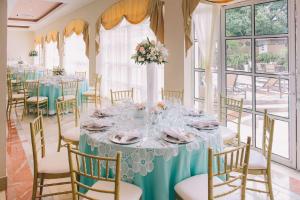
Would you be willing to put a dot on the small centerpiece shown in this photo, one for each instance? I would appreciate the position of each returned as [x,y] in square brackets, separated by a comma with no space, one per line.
[33,53]
[162,105]
[151,53]
[58,71]
[140,110]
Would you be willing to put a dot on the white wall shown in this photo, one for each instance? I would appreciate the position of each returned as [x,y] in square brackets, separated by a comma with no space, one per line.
[19,43]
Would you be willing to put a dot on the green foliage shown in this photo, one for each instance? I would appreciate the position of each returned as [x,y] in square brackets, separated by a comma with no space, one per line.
[238,21]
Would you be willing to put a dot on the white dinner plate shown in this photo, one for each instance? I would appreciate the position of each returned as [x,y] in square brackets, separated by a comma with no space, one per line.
[170,139]
[114,139]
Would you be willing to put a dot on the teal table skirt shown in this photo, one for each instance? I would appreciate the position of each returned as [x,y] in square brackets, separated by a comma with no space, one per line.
[158,183]
[53,91]
[29,76]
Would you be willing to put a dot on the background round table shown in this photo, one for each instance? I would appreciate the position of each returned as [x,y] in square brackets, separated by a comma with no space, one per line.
[154,165]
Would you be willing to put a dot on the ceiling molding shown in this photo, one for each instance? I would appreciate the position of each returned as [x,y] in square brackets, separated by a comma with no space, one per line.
[17,26]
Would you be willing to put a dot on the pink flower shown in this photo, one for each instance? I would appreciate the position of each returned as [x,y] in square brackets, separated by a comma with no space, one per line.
[141,49]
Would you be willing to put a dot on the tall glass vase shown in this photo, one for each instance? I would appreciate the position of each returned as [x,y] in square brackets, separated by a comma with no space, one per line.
[152,89]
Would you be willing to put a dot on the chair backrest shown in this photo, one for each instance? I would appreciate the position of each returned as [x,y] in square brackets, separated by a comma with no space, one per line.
[172,95]
[233,164]
[121,95]
[37,140]
[9,89]
[268,132]
[231,110]
[81,75]
[33,88]
[63,108]
[69,88]
[95,168]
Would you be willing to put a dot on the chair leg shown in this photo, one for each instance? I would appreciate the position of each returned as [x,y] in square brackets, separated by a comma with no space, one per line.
[34,188]
[270,187]
[59,144]
[7,111]
[41,187]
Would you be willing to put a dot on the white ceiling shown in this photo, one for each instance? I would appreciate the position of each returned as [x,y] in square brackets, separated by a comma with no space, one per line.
[67,7]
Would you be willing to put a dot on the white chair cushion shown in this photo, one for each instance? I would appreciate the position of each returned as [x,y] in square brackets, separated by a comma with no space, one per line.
[90,93]
[66,97]
[257,160]
[72,133]
[54,163]
[196,188]
[227,133]
[34,99]
[18,96]
[127,191]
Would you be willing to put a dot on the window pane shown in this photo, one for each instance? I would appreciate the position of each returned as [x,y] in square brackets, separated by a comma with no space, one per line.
[199,85]
[272,94]
[238,55]
[240,86]
[281,136]
[272,55]
[238,21]
[271,18]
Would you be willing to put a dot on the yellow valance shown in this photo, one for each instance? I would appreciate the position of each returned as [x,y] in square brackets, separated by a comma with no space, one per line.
[134,11]
[53,36]
[79,27]
[188,7]
[38,40]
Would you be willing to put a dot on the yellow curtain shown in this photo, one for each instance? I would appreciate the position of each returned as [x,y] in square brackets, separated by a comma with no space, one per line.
[38,40]
[188,7]
[53,36]
[134,11]
[79,26]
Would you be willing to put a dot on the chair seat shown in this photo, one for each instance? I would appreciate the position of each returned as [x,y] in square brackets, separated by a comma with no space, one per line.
[227,134]
[257,160]
[196,188]
[66,97]
[34,99]
[18,96]
[54,163]
[72,134]
[127,191]
[90,93]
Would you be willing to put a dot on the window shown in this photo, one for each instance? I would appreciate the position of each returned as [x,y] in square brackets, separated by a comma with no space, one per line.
[38,60]
[257,52]
[75,59]
[51,55]
[118,69]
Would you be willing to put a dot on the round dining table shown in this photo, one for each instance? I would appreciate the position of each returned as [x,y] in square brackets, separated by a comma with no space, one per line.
[153,164]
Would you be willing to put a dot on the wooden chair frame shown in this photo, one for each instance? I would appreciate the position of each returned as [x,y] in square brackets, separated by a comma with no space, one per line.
[63,107]
[69,88]
[80,75]
[38,144]
[12,101]
[172,95]
[231,110]
[121,95]
[96,97]
[80,161]
[33,87]
[268,132]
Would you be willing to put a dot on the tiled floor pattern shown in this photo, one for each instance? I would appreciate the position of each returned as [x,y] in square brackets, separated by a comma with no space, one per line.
[286,182]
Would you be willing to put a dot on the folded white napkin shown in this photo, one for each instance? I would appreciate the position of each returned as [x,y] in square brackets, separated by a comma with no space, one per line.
[125,136]
[205,124]
[178,134]
[100,114]
[94,125]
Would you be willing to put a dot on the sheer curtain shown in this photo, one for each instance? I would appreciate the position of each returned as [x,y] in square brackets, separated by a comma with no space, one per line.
[114,60]
[38,60]
[75,59]
[207,29]
[51,55]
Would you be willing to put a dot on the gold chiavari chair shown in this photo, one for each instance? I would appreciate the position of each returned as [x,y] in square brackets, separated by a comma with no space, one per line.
[93,94]
[46,166]
[172,95]
[210,186]
[35,101]
[28,75]
[69,90]
[14,99]
[121,95]
[80,75]
[68,130]
[260,163]
[231,111]
[97,169]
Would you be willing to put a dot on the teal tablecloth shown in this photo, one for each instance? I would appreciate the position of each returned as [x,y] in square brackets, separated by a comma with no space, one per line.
[29,76]
[53,91]
[155,172]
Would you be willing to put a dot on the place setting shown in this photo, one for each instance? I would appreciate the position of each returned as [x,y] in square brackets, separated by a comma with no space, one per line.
[96,126]
[125,137]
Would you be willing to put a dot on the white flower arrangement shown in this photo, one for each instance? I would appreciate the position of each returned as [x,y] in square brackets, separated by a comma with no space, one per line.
[150,52]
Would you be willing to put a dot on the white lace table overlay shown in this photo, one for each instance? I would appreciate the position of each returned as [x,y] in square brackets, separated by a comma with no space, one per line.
[139,158]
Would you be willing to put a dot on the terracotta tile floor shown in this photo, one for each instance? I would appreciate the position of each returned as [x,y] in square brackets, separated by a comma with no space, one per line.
[286,182]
